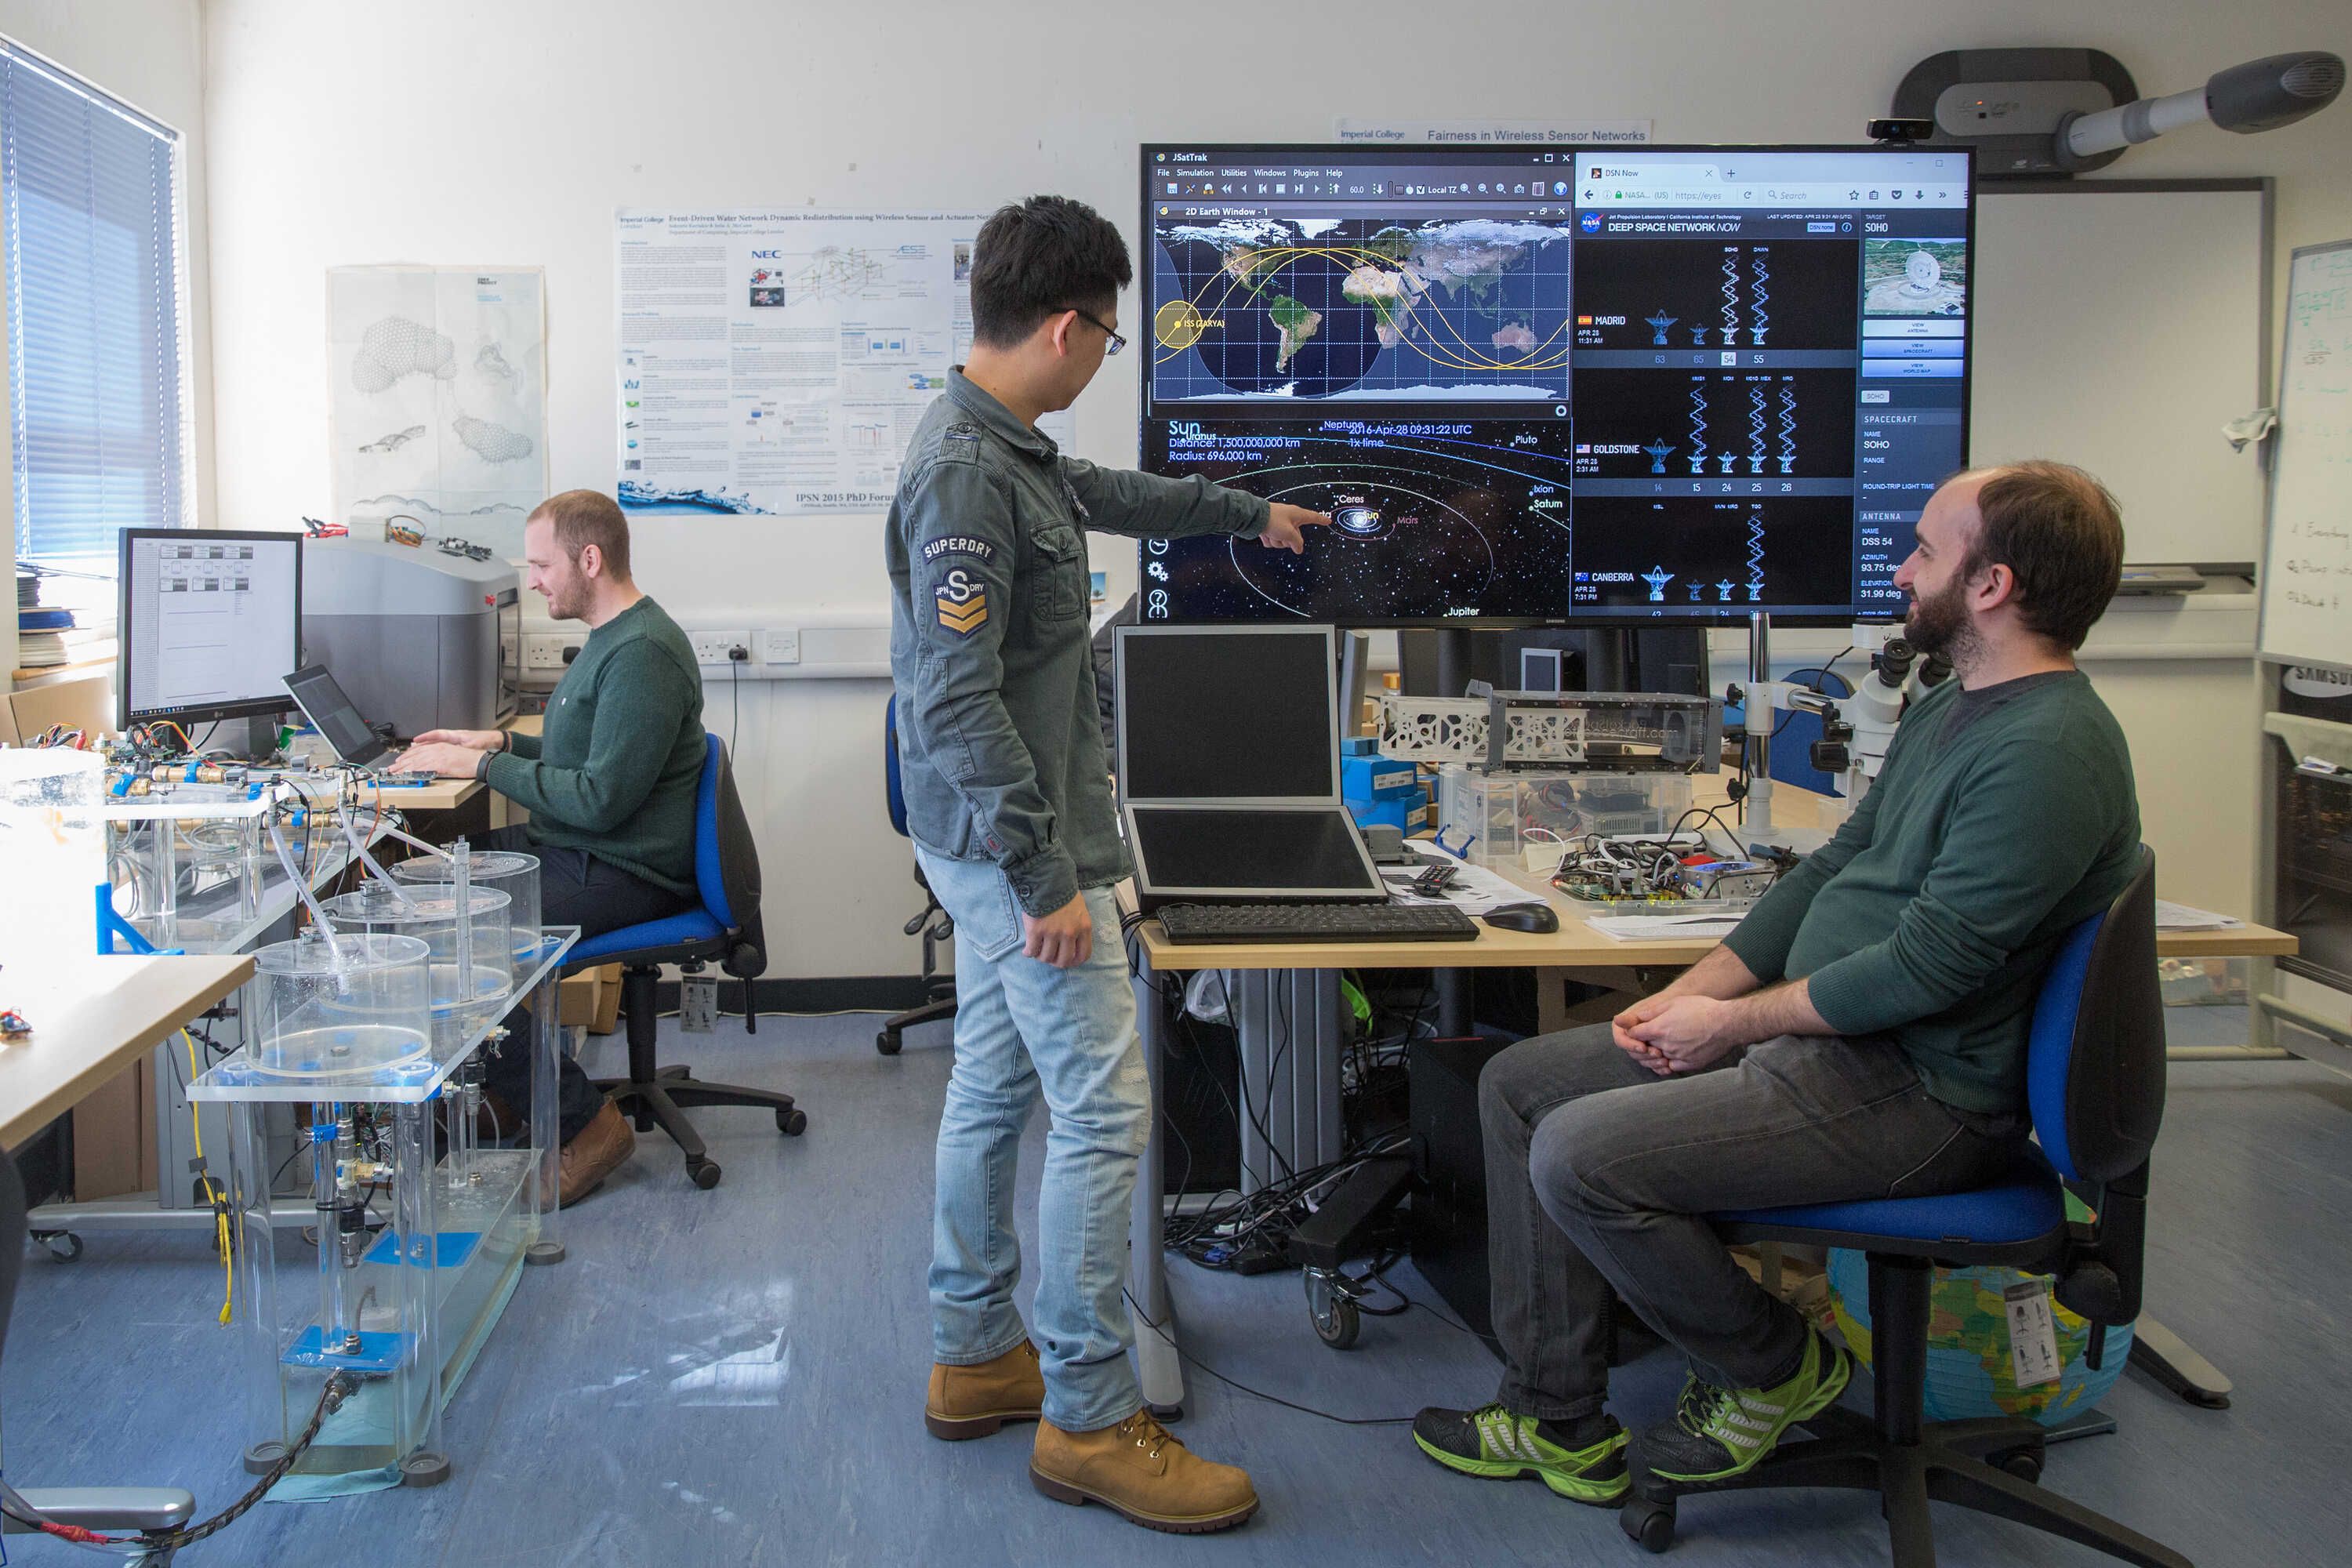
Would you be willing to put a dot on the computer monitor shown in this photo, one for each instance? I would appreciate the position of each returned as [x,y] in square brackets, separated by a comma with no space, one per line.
[1227,713]
[210,623]
[1616,384]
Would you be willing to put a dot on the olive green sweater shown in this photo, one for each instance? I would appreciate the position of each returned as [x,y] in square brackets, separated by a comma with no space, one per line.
[616,768]
[2004,817]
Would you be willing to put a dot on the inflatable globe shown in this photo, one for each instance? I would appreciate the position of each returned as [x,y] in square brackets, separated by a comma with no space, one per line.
[1968,1369]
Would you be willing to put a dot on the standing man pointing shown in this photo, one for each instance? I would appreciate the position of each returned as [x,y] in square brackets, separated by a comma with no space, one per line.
[1008,800]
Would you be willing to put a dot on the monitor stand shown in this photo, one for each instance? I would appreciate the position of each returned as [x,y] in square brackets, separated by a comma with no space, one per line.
[254,740]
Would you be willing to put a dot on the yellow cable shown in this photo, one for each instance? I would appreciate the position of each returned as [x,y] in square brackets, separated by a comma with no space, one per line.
[212,1194]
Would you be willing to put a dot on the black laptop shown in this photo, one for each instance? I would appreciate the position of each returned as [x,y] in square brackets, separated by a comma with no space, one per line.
[1229,768]
[322,702]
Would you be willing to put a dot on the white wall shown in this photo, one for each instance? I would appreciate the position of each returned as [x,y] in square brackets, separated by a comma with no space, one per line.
[2177,673]
[150,55]
[506,133]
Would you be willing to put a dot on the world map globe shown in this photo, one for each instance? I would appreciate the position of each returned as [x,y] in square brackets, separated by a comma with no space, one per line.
[1969,1374]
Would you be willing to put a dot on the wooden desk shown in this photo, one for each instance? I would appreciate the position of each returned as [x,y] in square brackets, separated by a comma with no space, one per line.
[1575,947]
[446,794]
[441,795]
[91,1017]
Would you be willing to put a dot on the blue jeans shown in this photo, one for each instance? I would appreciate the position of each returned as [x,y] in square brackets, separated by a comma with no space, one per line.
[1022,1024]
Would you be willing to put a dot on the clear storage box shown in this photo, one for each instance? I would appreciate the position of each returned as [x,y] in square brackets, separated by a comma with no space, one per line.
[1506,814]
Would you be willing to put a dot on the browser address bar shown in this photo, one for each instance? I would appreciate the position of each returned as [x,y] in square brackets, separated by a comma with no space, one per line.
[1727,195]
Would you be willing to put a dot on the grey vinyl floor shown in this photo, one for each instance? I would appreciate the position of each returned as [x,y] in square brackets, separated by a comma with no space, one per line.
[733,1376]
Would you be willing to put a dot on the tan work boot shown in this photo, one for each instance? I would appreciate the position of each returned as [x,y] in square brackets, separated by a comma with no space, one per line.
[1140,1471]
[595,1154]
[974,1401]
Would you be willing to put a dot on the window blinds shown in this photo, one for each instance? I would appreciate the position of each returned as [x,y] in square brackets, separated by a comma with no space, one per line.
[88,194]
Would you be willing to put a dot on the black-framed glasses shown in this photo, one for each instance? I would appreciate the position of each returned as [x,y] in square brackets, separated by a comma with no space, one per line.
[1112,341]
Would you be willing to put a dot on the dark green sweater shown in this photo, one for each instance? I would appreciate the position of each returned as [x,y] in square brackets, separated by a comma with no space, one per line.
[2004,817]
[614,769]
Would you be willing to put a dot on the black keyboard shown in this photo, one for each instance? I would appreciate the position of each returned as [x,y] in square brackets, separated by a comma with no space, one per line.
[1316,922]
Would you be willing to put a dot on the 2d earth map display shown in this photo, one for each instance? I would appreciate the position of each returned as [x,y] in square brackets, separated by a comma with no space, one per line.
[1269,307]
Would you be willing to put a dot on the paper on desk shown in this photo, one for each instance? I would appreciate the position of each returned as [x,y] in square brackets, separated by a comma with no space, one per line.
[1662,927]
[2171,916]
[1476,889]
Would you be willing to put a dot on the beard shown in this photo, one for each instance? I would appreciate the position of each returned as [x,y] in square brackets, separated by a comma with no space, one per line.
[1941,625]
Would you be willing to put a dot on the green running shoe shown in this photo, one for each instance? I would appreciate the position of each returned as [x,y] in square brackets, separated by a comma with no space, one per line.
[1492,1442]
[1718,1433]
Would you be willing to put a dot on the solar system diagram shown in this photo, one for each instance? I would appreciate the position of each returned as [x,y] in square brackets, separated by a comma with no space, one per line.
[1430,520]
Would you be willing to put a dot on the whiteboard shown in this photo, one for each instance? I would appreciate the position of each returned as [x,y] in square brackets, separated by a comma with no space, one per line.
[2306,575]
[2119,324]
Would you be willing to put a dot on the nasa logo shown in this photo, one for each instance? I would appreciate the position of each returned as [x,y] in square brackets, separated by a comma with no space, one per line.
[1590,223]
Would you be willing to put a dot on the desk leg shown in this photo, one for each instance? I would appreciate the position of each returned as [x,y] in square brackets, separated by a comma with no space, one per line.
[1453,986]
[545,1043]
[1157,1365]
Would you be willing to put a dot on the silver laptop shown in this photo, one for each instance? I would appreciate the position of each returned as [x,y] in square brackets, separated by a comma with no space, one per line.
[1229,767]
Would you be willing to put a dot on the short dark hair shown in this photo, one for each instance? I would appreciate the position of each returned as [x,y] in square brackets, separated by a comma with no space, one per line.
[582,518]
[1035,258]
[2058,531]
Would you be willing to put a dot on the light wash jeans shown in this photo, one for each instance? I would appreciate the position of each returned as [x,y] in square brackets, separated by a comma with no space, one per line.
[1022,1025]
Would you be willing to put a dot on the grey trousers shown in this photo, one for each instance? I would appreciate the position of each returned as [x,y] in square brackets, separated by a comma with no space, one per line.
[1597,1171]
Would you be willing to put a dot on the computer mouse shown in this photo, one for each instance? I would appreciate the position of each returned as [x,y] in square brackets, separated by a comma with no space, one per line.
[1540,919]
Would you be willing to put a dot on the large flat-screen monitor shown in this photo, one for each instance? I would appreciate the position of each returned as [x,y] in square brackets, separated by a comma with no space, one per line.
[1619,384]
[1226,713]
[210,622]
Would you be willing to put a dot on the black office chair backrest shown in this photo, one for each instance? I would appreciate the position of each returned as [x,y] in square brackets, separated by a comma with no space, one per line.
[12,1240]
[736,871]
[2095,1071]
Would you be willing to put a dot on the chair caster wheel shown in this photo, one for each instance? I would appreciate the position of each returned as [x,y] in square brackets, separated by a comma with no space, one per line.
[703,1173]
[1652,1524]
[63,1245]
[1339,1327]
[887,1042]
[792,1124]
[2025,1463]
[1337,1322]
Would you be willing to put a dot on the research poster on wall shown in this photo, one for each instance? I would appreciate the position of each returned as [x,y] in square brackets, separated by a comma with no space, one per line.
[775,362]
[438,383]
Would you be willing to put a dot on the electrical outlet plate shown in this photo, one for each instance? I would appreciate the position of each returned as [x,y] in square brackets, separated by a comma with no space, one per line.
[698,1004]
[545,650]
[710,648]
[780,645]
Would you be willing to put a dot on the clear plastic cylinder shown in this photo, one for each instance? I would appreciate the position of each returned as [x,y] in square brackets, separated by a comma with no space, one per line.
[53,837]
[471,943]
[353,1009]
[510,871]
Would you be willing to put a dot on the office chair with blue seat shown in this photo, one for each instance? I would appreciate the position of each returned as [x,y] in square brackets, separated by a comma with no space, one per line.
[2095,1079]
[727,876]
[938,990]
